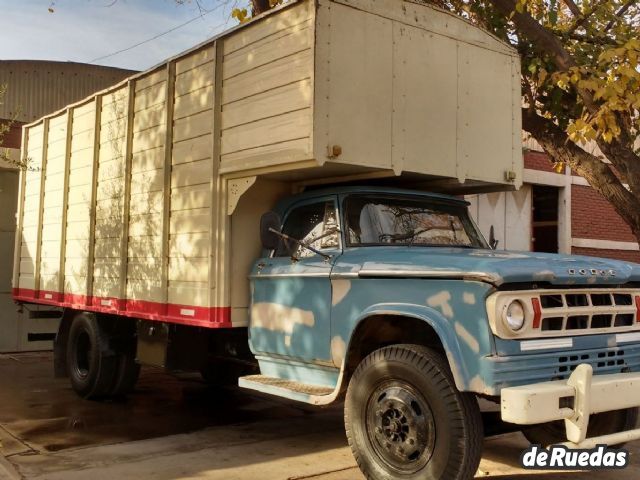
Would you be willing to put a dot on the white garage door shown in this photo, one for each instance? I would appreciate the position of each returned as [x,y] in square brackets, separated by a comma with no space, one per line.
[510,215]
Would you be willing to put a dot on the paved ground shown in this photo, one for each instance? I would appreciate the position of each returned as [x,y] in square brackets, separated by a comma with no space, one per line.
[179,428]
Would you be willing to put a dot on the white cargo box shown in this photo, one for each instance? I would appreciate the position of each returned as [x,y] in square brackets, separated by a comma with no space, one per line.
[144,199]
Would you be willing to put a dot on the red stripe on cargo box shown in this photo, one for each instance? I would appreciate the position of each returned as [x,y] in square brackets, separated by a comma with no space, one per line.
[208,317]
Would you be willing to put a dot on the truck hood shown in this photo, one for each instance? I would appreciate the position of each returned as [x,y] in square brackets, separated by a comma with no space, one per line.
[492,266]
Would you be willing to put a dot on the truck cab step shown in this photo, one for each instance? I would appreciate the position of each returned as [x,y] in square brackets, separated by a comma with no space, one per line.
[303,392]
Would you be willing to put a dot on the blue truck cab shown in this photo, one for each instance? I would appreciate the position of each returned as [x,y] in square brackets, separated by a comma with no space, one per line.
[393,300]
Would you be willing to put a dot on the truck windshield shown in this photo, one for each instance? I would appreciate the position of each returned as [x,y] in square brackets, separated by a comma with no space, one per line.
[375,221]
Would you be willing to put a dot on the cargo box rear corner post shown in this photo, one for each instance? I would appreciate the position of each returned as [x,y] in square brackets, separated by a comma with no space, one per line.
[216,213]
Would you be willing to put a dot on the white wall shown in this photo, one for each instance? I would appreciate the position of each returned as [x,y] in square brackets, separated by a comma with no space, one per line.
[508,212]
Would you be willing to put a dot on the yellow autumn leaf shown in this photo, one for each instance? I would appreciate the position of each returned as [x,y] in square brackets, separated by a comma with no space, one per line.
[240,14]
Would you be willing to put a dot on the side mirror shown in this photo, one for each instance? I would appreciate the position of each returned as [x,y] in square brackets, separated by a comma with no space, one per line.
[270,221]
[493,241]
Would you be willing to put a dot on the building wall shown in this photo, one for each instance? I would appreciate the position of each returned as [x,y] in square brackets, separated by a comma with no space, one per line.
[587,222]
[593,217]
[626,255]
[35,87]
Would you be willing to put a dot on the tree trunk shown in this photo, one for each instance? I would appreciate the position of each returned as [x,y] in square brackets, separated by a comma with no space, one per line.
[260,6]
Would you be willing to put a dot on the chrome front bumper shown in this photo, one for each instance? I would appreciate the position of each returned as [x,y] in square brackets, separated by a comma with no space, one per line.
[574,400]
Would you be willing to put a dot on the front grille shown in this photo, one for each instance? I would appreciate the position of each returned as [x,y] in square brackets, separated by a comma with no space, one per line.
[581,312]
[544,367]
[609,360]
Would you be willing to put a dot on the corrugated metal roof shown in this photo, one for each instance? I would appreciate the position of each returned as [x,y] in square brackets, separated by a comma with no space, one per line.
[37,87]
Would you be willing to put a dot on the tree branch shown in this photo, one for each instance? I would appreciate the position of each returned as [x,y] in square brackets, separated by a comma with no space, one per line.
[574,8]
[582,20]
[623,9]
[260,6]
[621,154]
[546,42]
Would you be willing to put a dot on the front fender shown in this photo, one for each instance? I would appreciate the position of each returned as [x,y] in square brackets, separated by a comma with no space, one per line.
[459,359]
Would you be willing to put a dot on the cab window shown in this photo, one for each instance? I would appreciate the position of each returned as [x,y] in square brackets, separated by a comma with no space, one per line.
[315,224]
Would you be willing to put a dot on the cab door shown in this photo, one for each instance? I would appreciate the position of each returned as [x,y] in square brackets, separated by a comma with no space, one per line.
[291,288]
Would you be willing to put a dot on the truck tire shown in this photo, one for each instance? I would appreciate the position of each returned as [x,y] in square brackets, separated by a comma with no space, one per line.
[123,342]
[91,365]
[127,373]
[603,423]
[405,418]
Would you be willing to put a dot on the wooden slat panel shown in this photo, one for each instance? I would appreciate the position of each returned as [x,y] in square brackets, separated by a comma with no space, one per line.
[77,248]
[110,169]
[81,196]
[191,196]
[147,160]
[290,126]
[281,44]
[106,247]
[194,173]
[271,154]
[188,245]
[148,139]
[267,77]
[145,224]
[145,247]
[190,221]
[148,118]
[146,202]
[194,102]
[287,18]
[194,79]
[105,286]
[194,59]
[193,149]
[274,102]
[193,126]
[147,269]
[143,289]
[150,181]
[189,269]
[81,176]
[149,80]
[189,293]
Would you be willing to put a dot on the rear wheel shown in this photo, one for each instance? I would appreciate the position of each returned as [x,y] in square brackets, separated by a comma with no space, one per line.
[604,423]
[405,419]
[91,365]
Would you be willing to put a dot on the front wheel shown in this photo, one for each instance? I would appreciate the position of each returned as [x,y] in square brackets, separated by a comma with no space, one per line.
[405,419]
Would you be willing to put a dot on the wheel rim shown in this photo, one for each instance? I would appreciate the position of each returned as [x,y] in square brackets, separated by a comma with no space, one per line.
[400,426]
[83,354]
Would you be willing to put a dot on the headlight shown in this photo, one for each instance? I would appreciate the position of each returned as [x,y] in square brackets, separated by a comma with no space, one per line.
[514,316]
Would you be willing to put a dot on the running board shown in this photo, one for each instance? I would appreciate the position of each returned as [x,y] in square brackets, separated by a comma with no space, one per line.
[301,392]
